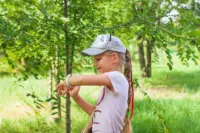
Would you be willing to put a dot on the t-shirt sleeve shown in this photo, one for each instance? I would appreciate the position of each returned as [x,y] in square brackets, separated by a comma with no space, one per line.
[118,81]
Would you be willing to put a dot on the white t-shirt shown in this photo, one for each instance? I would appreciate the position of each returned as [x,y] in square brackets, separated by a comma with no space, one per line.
[111,107]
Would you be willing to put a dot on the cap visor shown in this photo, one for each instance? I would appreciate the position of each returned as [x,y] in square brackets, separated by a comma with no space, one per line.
[92,51]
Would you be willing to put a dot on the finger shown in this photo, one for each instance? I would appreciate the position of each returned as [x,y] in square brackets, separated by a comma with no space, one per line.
[71,88]
[59,93]
[64,93]
[58,87]
[61,88]
[66,88]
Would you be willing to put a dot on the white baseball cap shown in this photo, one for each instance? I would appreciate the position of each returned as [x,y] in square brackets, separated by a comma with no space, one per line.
[103,43]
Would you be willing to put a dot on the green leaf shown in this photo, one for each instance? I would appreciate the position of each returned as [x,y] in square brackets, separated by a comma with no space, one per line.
[54,107]
[38,107]
[170,66]
[49,99]
[28,94]
[194,60]
[33,96]
[57,120]
[55,103]
[4,27]
[54,113]
[39,100]
[38,104]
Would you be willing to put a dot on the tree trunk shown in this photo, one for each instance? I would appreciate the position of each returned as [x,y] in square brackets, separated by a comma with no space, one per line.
[57,79]
[193,5]
[68,70]
[141,57]
[50,81]
[149,51]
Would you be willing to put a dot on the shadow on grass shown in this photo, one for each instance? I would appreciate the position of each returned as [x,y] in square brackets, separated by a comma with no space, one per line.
[179,80]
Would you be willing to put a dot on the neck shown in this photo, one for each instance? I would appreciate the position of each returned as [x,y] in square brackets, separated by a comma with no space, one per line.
[117,68]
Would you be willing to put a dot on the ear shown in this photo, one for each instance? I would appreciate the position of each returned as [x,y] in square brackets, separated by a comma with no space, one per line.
[115,58]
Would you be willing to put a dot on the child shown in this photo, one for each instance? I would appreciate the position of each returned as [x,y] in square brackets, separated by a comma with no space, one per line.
[110,114]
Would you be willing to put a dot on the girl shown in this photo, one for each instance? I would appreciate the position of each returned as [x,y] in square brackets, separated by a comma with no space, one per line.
[111,113]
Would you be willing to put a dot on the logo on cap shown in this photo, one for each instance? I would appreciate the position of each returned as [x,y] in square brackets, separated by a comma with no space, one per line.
[100,42]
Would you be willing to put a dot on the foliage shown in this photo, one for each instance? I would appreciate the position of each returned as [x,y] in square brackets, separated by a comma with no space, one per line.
[157,22]
[33,32]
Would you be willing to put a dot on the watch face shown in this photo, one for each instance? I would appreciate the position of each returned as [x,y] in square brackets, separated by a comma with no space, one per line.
[100,42]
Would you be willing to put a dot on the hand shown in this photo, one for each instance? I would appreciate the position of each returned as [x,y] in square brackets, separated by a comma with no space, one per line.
[62,88]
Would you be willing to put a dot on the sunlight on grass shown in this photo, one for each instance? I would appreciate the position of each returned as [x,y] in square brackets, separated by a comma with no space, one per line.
[178,80]
[181,78]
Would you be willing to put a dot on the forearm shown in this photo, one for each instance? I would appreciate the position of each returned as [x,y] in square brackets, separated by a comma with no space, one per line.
[97,80]
[76,80]
[88,108]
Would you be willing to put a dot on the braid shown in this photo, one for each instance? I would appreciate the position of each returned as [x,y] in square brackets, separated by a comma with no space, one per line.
[128,75]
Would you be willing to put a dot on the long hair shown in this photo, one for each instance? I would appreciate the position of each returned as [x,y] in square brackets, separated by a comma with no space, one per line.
[125,59]
[130,101]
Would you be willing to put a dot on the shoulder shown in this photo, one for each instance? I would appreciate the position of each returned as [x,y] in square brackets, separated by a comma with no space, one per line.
[117,77]
[119,82]
[116,74]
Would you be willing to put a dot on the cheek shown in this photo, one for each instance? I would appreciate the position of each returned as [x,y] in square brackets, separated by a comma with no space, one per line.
[108,64]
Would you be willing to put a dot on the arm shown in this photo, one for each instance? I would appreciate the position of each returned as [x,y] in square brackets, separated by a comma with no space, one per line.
[74,93]
[78,80]
[99,80]
[88,108]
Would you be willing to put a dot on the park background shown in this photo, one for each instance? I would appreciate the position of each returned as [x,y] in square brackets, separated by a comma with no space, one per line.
[40,43]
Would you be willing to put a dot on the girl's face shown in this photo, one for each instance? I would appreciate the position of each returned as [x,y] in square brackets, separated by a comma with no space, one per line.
[104,62]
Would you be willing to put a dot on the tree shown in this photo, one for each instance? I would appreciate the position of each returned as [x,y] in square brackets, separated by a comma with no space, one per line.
[155,32]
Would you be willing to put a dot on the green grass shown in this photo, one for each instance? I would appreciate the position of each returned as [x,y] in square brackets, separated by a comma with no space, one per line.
[181,78]
[10,88]
[30,126]
[14,92]
[180,116]
[176,80]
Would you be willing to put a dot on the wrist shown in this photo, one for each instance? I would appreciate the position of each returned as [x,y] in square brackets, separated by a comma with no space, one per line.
[67,80]
[75,97]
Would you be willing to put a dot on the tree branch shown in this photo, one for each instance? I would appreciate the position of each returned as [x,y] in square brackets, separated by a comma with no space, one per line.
[131,22]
